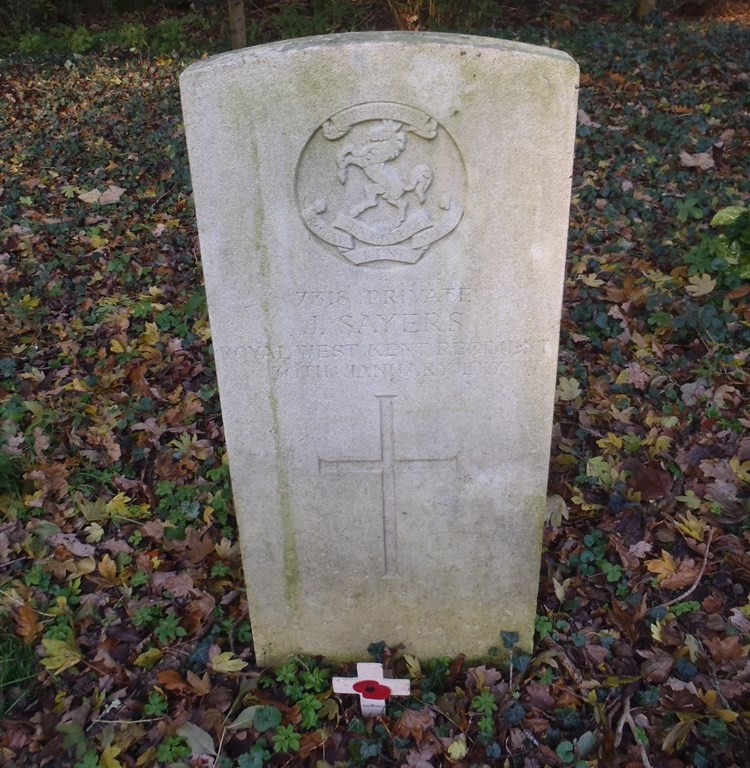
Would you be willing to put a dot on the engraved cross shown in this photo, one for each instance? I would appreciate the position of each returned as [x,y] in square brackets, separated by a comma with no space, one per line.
[387,467]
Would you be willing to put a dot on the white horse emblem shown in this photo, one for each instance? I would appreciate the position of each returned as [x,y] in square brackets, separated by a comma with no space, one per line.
[377,196]
[387,142]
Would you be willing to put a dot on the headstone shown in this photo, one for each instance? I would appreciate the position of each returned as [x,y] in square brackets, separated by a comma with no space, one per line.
[383,222]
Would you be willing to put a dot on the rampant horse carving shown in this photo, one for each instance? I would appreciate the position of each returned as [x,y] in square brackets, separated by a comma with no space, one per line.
[387,142]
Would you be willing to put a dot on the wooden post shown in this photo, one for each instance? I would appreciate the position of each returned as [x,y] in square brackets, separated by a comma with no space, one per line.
[237,30]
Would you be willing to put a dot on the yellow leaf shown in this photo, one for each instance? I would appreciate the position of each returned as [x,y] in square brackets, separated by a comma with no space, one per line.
[149,658]
[147,758]
[693,647]
[61,654]
[610,441]
[458,749]
[116,347]
[107,568]
[741,470]
[726,715]
[700,285]
[662,567]
[690,500]
[660,445]
[592,281]
[678,734]
[94,533]
[568,389]
[709,699]
[108,757]
[656,631]
[118,505]
[560,588]
[623,377]
[98,241]
[83,566]
[226,663]
[413,666]
[692,526]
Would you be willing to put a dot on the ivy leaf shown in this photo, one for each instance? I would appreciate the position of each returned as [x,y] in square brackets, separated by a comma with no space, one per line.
[266,718]
[727,215]
[255,757]
[565,751]
[510,639]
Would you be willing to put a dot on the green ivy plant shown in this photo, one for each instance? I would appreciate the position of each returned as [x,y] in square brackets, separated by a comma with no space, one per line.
[724,255]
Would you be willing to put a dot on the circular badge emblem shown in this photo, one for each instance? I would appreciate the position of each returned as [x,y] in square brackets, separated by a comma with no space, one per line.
[381,182]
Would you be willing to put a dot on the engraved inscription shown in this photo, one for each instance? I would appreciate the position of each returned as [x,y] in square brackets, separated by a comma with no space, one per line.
[387,466]
[381,182]
[385,334]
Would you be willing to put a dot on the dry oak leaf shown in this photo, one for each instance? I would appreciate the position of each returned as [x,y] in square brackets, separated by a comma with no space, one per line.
[414,723]
[27,625]
[651,482]
[420,757]
[53,482]
[626,621]
[72,544]
[726,649]
[538,696]
[111,195]
[179,584]
[657,666]
[173,681]
[702,160]
[482,677]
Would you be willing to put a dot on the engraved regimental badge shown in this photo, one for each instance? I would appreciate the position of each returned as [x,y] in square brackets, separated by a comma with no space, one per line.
[381,182]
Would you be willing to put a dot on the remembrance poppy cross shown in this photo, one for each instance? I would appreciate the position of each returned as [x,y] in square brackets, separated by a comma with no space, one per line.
[373,689]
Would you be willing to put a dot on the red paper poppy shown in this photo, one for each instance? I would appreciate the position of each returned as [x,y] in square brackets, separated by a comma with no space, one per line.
[372,689]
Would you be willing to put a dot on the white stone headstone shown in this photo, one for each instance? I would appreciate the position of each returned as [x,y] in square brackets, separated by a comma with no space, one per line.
[383,222]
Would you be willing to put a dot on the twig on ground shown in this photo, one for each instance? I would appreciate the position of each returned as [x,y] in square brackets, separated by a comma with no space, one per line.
[626,717]
[698,578]
[568,666]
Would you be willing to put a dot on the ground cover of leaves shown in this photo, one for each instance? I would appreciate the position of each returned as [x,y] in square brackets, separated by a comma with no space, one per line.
[124,634]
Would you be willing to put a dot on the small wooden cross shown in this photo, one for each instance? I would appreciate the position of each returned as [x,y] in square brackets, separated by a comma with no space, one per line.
[372,688]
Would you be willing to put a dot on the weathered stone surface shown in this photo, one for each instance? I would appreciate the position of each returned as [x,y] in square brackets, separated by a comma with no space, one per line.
[383,223]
